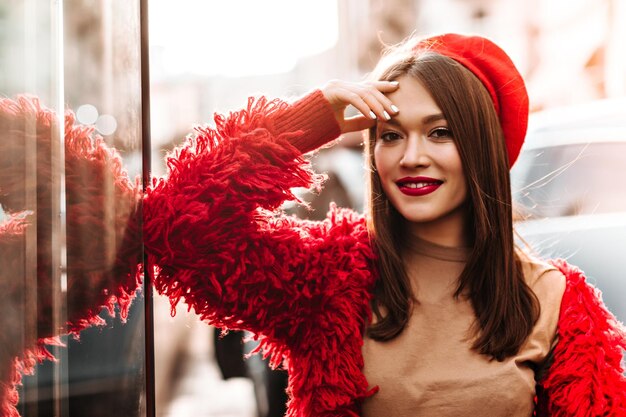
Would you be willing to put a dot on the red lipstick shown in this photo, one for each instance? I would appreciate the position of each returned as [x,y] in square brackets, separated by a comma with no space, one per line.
[418,186]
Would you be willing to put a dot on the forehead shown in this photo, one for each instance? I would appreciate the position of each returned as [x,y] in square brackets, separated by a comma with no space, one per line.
[413,99]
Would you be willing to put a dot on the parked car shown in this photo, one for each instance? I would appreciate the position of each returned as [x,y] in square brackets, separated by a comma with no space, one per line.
[569,188]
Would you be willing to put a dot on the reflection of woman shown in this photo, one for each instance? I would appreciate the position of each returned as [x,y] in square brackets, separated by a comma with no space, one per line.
[102,242]
[424,306]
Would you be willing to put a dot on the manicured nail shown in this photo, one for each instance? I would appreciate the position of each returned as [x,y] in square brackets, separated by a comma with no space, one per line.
[395,83]
[394,108]
[372,114]
[386,115]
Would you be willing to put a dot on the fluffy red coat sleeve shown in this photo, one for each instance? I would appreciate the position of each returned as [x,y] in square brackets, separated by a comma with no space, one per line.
[215,239]
[586,377]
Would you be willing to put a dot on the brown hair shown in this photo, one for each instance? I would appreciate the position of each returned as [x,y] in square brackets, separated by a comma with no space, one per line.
[506,308]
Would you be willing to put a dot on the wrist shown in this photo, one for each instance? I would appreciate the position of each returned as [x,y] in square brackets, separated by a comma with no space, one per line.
[313,116]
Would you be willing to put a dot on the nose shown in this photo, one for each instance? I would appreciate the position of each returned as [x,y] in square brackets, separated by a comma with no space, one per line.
[415,153]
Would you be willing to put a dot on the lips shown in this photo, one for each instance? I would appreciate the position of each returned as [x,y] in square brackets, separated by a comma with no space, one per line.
[418,186]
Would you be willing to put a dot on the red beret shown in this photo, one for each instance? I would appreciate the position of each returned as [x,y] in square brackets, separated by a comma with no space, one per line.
[498,74]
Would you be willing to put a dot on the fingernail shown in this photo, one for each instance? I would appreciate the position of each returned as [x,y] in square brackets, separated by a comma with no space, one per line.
[395,83]
[372,114]
[394,108]
[386,115]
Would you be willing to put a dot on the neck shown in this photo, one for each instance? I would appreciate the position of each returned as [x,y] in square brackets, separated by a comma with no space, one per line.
[448,231]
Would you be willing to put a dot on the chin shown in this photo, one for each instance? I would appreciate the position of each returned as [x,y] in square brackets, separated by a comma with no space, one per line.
[432,216]
[420,220]
[417,218]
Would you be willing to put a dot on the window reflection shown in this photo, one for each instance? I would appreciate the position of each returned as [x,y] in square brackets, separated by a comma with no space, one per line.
[70,232]
[102,236]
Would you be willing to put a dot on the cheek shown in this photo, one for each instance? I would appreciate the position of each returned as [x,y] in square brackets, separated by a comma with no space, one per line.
[455,165]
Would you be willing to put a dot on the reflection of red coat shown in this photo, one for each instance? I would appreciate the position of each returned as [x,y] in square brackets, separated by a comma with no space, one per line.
[214,239]
[102,240]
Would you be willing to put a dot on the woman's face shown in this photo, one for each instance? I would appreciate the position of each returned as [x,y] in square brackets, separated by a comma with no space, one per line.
[417,159]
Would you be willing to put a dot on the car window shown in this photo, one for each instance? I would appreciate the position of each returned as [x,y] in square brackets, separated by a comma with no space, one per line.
[570,180]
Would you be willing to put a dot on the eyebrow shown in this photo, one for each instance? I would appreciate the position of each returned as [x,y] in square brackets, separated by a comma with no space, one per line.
[426,120]
[433,118]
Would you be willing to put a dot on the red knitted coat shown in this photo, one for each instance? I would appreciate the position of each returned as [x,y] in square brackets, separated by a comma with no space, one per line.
[216,239]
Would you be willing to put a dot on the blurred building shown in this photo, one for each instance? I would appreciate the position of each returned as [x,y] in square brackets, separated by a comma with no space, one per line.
[568,51]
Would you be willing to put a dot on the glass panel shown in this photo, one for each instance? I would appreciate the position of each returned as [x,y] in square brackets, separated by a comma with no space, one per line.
[70,242]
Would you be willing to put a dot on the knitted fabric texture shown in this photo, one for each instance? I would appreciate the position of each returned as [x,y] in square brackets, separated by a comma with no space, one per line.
[216,240]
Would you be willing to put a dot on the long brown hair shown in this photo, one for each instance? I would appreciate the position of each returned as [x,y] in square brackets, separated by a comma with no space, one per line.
[506,308]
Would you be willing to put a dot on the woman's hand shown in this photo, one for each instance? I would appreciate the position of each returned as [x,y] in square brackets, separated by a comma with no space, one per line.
[368,98]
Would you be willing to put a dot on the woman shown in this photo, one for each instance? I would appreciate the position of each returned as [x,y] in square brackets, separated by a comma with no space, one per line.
[422,307]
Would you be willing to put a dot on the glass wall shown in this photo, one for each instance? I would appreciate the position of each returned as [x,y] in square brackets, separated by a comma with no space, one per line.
[71,297]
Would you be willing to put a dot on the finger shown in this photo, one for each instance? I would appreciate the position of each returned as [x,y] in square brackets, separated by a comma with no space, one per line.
[378,99]
[380,104]
[386,86]
[357,101]
[365,97]
[357,123]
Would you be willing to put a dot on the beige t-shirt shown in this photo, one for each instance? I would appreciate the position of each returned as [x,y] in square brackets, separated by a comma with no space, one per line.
[430,368]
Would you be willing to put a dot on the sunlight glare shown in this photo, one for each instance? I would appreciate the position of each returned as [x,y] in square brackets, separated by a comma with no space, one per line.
[239,37]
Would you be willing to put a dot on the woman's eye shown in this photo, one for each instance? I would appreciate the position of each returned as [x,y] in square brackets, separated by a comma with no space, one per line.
[441,133]
[389,136]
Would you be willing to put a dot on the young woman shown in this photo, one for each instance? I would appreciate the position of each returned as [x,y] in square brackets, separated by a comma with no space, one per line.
[423,306]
